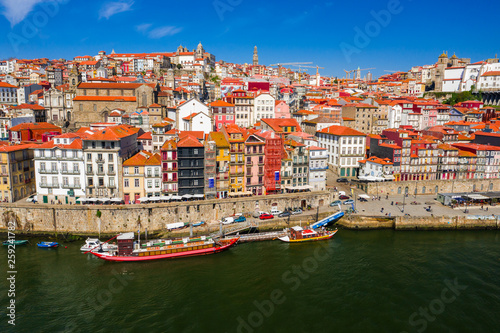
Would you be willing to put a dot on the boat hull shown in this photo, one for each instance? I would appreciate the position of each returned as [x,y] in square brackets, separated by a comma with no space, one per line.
[287,239]
[16,242]
[200,252]
[47,245]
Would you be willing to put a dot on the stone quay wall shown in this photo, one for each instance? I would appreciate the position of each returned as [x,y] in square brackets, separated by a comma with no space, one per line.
[418,223]
[430,186]
[82,219]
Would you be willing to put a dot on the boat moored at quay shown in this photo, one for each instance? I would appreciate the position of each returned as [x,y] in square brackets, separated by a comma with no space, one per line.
[299,235]
[129,250]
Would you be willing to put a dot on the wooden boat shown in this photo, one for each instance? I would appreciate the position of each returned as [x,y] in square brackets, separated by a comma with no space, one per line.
[47,245]
[128,250]
[15,242]
[299,235]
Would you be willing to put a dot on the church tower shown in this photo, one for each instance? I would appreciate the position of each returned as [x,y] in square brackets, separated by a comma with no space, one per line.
[74,77]
[199,51]
[255,56]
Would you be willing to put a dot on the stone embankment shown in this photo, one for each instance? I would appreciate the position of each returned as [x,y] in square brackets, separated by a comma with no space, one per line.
[78,219]
[419,223]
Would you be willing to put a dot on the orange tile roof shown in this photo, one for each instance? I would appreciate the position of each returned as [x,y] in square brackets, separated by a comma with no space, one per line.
[221,103]
[10,148]
[6,85]
[169,145]
[138,159]
[189,141]
[35,126]
[145,136]
[341,131]
[112,133]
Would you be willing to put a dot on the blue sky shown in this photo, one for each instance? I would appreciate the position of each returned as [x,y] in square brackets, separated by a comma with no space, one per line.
[332,34]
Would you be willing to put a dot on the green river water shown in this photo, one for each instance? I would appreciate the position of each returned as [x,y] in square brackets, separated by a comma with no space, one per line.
[361,281]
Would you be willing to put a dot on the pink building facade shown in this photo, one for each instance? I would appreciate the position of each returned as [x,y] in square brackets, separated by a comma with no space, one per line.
[281,110]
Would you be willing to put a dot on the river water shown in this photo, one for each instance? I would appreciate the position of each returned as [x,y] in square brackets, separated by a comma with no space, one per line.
[361,281]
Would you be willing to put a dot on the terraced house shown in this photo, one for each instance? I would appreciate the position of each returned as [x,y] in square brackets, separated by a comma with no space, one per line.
[60,169]
[141,177]
[17,170]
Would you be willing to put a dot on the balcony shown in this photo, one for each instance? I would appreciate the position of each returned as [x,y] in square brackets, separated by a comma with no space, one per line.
[71,186]
[47,185]
[100,172]
[46,171]
[70,172]
[99,160]
[170,181]
[239,162]
[89,172]
[111,173]
[112,186]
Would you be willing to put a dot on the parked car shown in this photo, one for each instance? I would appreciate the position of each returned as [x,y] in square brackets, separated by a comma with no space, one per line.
[284,214]
[336,203]
[228,220]
[257,214]
[240,218]
[362,199]
[344,197]
[276,211]
[342,180]
[266,216]
[297,211]
[31,198]
[348,202]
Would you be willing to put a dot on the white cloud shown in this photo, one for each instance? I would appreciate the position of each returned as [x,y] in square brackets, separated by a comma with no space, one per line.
[143,27]
[163,31]
[16,10]
[111,8]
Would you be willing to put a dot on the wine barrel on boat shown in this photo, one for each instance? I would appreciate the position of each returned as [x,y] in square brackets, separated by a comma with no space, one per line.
[125,244]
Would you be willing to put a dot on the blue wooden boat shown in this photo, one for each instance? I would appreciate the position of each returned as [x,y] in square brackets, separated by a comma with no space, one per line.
[47,245]
[198,224]
[15,242]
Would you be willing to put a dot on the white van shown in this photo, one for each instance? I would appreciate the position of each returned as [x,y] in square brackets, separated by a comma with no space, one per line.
[227,220]
[275,211]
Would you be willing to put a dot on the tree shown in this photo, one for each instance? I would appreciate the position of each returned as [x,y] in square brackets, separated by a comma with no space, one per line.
[179,66]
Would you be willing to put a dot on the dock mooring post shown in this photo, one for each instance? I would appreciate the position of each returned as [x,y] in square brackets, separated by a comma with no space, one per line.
[190,229]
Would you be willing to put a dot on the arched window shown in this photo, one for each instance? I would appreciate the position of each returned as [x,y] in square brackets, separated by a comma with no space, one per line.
[144,99]
[399,190]
[423,190]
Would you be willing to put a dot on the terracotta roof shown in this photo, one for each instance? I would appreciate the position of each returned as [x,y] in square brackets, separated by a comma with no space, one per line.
[6,85]
[221,103]
[145,136]
[155,105]
[28,106]
[316,148]
[219,139]
[169,145]
[10,148]
[200,135]
[112,133]
[277,124]
[35,126]
[138,159]
[189,141]
[76,144]
[191,116]
[341,131]
[377,160]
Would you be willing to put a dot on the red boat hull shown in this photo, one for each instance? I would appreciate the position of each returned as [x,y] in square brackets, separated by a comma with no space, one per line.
[200,252]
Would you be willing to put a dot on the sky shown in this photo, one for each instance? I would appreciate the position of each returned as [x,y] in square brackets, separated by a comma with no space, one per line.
[388,35]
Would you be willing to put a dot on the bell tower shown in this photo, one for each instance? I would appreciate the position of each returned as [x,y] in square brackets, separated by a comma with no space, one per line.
[255,56]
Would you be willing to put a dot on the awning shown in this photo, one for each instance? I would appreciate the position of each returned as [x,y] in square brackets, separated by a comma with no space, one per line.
[154,198]
[364,196]
[187,196]
[477,197]
[166,197]
[176,197]
[81,199]
[116,200]
[91,200]
[104,199]
[201,196]
[371,178]
[143,199]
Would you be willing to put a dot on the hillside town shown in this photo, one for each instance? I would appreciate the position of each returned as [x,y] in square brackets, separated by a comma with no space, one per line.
[143,127]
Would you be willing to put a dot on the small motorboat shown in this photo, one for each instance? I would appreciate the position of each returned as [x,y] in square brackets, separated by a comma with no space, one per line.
[15,242]
[299,235]
[198,224]
[47,245]
[94,244]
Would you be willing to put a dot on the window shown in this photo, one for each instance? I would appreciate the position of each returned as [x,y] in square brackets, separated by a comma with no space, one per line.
[90,181]
[136,170]
[126,183]
[101,181]
[76,181]
[110,157]
[150,184]
[111,181]
[136,182]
